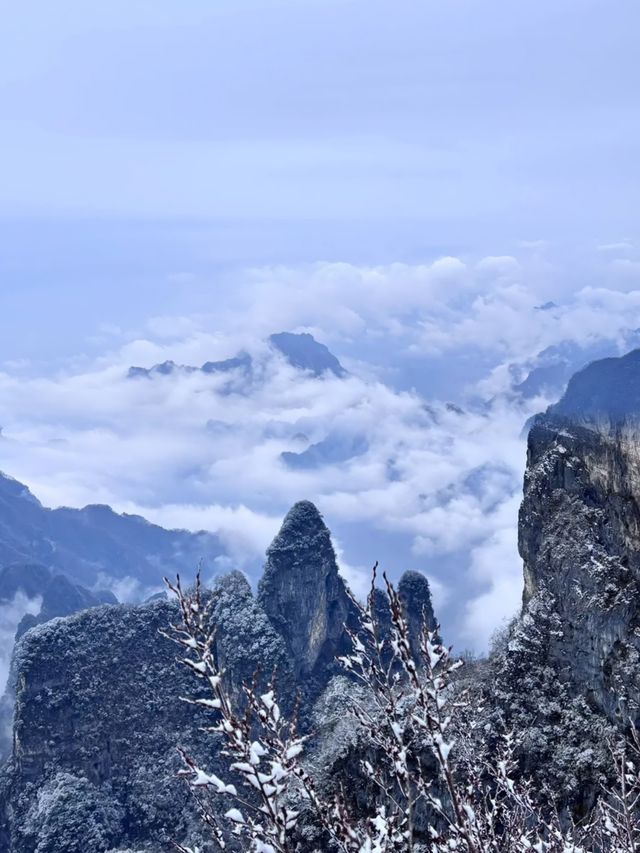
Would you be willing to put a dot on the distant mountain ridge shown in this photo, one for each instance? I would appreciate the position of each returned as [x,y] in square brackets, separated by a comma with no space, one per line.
[58,595]
[301,350]
[548,374]
[608,389]
[242,361]
[94,543]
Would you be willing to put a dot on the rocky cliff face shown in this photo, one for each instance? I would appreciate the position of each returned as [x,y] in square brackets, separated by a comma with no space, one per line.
[95,707]
[303,595]
[98,717]
[580,530]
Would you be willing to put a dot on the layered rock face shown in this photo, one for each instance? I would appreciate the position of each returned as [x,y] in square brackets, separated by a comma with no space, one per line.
[579,531]
[302,593]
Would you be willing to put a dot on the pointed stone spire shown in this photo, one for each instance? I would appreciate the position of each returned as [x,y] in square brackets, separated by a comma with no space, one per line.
[415,595]
[302,593]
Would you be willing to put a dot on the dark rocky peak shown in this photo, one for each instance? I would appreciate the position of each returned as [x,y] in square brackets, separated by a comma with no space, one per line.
[245,638]
[415,595]
[306,353]
[304,596]
[606,392]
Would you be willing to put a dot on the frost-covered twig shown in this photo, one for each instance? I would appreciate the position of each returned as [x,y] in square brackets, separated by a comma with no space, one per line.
[261,746]
[620,807]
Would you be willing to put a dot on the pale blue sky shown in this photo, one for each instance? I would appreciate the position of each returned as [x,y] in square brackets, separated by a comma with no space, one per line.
[140,140]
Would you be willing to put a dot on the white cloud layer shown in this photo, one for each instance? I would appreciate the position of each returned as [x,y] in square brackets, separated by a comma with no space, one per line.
[437,487]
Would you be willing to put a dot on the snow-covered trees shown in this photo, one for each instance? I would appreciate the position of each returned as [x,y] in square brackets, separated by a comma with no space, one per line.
[436,781]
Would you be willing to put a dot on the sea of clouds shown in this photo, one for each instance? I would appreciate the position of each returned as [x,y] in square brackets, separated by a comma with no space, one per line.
[432,351]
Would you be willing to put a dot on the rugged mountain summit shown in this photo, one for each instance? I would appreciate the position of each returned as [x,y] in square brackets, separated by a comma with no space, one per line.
[415,595]
[302,593]
[306,353]
[95,707]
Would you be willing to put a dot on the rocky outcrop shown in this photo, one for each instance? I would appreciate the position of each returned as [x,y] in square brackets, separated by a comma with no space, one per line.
[306,600]
[96,700]
[568,669]
[34,591]
[304,596]
[579,536]
[98,717]
[580,542]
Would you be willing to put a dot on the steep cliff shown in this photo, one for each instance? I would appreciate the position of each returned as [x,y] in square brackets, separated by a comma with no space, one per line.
[580,542]
[568,669]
